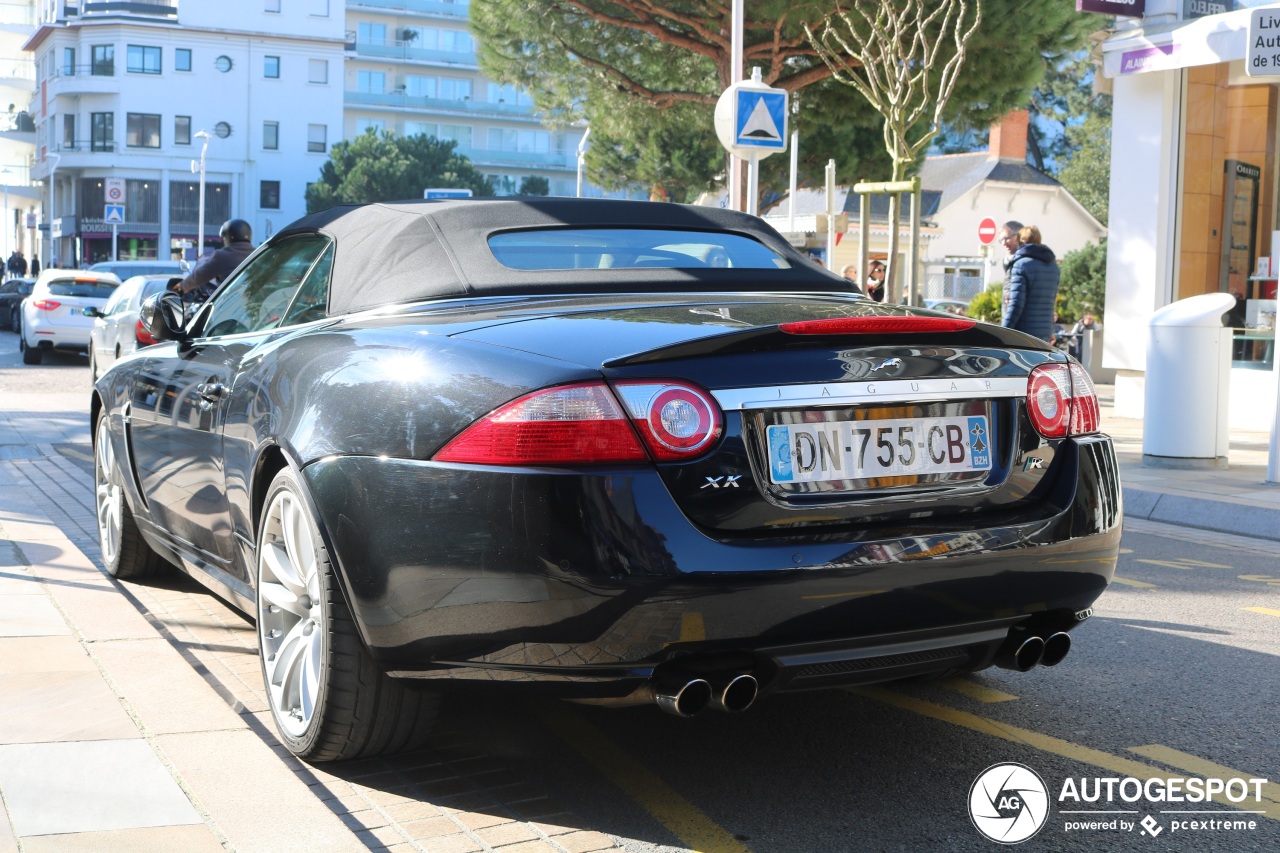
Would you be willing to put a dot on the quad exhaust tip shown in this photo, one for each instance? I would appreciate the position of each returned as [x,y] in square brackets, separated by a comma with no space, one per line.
[683,697]
[1056,647]
[735,695]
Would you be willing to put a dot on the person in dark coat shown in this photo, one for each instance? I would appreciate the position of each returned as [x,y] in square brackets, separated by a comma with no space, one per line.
[1032,291]
[35,266]
[237,244]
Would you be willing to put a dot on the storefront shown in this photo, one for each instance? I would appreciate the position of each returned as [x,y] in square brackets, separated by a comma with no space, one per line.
[1193,190]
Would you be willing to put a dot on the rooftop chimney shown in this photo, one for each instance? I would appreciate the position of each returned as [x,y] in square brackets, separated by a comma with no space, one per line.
[1009,137]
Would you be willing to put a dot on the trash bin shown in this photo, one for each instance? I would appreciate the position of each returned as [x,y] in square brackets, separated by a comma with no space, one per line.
[1188,380]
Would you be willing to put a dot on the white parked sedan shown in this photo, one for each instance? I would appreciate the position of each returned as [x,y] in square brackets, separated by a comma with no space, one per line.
[53,315]
[116,331]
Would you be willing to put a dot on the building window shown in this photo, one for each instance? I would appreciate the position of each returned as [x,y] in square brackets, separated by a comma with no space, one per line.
[141,59]
[317,138]
[182,130]
[223,63]
[455,89]
[184,205]
[269,195]
[377,125]
[459,133]
[103,130]
[373,82]
[69,61]
[371,33]
[420,87]
[419,128]
[142,130]
[182,59]
[104,60]
[271,135]
[69,130]
[318,71]
[271,66]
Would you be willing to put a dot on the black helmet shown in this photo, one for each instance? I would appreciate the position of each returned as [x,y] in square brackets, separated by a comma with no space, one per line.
[236,231]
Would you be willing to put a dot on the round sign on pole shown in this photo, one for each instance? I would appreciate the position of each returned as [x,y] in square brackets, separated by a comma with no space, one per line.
[987,231]
[113,189]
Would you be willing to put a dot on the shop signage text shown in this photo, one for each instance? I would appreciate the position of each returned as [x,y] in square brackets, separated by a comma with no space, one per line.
[1263,55]
[1149,59]
[1129,8]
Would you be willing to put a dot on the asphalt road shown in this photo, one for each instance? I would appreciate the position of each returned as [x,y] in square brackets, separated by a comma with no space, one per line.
[1175,676]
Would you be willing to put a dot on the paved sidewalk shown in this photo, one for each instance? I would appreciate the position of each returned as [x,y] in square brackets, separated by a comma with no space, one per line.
[122,727]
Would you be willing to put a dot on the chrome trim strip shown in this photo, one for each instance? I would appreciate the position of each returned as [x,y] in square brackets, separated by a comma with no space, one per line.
[880,391]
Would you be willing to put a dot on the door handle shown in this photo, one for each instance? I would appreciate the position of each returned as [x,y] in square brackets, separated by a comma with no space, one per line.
[211,391]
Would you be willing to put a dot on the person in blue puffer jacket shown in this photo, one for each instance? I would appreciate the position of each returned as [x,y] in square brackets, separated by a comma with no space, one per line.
[1032,290]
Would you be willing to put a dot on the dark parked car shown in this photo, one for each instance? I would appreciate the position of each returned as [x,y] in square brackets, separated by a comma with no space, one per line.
[12,292]
[546,444]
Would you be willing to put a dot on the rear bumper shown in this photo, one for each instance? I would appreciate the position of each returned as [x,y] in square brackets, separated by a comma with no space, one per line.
[57,337]
[595,581]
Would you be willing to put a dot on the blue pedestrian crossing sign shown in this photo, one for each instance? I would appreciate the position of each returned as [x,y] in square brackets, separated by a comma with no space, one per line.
[113,213]
[751,119]
[760,119]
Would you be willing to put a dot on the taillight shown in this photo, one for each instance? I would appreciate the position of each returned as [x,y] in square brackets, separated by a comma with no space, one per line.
[899,325]
[46,304]
[572,424]
[675,420]
[1062,401]
[145,338]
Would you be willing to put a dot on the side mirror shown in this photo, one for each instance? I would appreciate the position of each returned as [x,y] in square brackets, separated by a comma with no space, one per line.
[92,312]
[164,316]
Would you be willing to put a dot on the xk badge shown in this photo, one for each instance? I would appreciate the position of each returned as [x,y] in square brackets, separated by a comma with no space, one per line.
[727,482]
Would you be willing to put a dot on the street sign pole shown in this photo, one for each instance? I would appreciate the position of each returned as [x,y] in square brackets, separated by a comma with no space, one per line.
[735,79]
[115,242]
[831,215]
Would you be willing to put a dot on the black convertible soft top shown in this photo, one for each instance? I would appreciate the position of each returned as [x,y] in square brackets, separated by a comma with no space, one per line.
[397,252]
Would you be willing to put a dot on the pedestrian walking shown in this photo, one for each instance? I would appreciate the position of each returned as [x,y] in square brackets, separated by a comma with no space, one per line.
[1032,290]
[35,266]
[849,272]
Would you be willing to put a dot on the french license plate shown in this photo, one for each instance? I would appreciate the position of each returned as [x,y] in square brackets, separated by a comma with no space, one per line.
[859,450]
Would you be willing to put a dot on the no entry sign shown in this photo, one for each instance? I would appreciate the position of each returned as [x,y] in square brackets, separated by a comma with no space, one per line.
[987,230]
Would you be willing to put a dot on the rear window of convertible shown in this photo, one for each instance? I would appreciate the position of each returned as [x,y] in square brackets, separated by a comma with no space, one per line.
[630,248]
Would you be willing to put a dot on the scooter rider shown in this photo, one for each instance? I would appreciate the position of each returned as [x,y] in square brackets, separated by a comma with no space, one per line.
[237,244]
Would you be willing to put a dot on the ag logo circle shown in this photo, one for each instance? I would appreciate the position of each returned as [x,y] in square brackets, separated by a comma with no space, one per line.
[1008,803]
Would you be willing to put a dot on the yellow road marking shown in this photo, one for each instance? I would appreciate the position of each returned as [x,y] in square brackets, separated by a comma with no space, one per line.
[843,594]
[694,829]
[692,628]
[1201,767]
[974,690]
[1184,563]
[1267,579]
[1042,742]
[1265,611]
[1136,584]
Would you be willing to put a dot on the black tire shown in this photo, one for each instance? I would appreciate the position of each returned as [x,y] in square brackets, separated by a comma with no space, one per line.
[30,355]
[125,554]
[357,711]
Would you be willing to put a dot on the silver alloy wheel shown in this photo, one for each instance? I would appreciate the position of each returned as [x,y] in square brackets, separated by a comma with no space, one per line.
[291,613]
[110,497]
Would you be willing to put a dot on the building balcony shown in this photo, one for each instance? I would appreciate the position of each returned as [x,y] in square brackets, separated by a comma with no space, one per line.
[399,101]
[151,10]
[18,73]
[83,80]
[498,158]
[423,8]
[400,51]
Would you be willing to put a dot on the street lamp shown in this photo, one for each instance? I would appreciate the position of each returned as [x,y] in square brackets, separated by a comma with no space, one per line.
[200,134]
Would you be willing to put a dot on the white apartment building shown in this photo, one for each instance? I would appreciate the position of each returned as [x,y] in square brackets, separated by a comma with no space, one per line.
[411,68]
[17,130]
[125,88]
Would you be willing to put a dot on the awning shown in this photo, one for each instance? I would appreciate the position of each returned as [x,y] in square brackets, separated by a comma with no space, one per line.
[1184,44]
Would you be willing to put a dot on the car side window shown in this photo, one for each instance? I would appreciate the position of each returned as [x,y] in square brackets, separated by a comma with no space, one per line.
[257,298]
[119,300]
[311,301]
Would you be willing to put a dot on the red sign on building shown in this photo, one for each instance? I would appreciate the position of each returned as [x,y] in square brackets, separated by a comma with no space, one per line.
[987,231]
